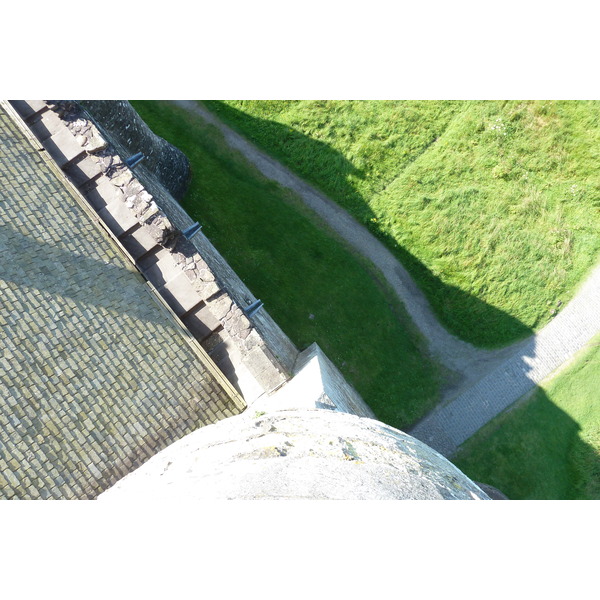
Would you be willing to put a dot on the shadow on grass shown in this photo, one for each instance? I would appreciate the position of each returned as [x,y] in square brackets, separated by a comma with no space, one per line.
[461,313]
[297,272]
[533,451]
[312,158]
[562,464]
[490,327]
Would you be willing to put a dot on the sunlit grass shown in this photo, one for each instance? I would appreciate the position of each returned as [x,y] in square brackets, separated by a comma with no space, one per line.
[500,200]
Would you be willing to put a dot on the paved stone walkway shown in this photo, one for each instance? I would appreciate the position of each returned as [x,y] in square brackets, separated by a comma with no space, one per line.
[96,376]
[491,380]
[455,421]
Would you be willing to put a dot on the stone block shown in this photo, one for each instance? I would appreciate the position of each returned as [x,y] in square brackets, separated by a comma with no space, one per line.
[237,324]
[159,268]
[29,108]
[122,178]
[206,289]
[63,147]
[103,193]
[222,354]
[118,217]
[263,370]
[179,294]
[201,322]
[95,142]
[46,125]
[83,171]
[220,306]
[94,471]
[139,242]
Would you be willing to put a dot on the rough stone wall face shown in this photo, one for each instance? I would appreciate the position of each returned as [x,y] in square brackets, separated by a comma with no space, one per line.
[124,128]
[273,339]
[264,350]
[119,121]
[96,376]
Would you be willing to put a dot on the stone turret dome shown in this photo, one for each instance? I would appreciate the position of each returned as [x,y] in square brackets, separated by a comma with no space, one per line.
[297,454]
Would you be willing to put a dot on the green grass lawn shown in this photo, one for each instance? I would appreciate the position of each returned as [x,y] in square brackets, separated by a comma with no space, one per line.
[548,446]
[493,206]
[314,287]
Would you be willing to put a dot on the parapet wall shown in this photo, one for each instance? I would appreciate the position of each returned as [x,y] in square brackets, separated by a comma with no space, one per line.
[128,133]
[189,273]
[312,368]
[160,250]
[276,340]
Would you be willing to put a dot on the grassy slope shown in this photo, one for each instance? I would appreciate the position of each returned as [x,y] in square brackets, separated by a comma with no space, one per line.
[549,446]
[298,270]
[461,191]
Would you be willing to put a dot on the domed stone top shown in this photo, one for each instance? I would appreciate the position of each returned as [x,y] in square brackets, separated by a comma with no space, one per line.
[297,454]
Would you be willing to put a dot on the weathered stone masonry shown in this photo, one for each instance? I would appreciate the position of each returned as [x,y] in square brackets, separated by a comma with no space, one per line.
[97,377]
[191,275]
[101,368]
[192,288]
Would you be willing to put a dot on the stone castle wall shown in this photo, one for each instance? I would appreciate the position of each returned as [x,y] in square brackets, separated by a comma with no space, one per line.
[163,163]
[335,392]
[161,174]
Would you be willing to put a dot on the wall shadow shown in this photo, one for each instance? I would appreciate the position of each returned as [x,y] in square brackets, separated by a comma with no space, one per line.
[495,328]
[312,158]
[33,263]
[457,310]
[533,451]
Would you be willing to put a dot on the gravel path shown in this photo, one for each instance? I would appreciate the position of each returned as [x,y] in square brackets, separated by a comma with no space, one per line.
[489,380]
[453,353]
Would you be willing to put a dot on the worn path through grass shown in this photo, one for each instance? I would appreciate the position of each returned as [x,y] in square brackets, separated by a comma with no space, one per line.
[491,380]
[457,420]
[492,206]
[455,354]
[313,285]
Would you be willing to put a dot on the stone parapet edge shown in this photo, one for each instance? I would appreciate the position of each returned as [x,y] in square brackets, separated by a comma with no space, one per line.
[280,350]
[277,360]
